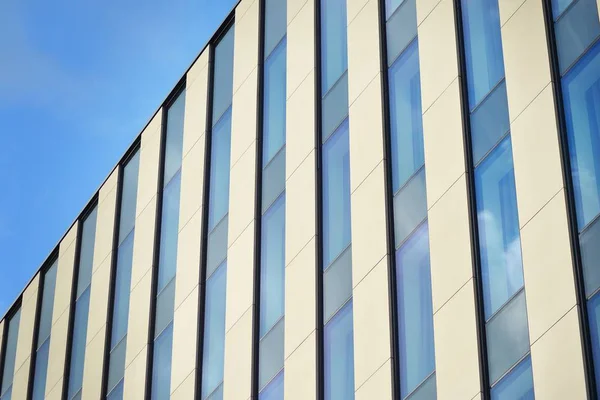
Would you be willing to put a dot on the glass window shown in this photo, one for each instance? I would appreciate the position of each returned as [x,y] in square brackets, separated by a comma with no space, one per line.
[273,180]
[275,24]
[426,391]
[161,369]
[336,195]
[41,371]
[415,311]
[10,353]
[516,385]
[401,29]
[169,232]
[116,369]
[410,207]
[489,122]
[334,51]
[559,6]
[594,317]
[45,323]
[86,253]
[391,6]
[214,332]
[272,269]
[274,100]
[337,284]
[217,247]
[129,196]
[271,354]
[590,255]
[499,239]
[335,107]
[78,344]
[274,390]
[339,356]
[219,170]
[174,141]
[165,303]
[122,290]
[581,87]
[116,393]
[483,47]
[406,120]
[223,75]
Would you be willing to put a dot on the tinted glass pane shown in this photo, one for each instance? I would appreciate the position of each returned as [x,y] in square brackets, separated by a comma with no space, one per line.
[499,240]
[334,49]
[426,391]
[401,29]
[217,247]
[590,255]
[86,256]
[217,394]
[415,311]
[274,390]
[273,180]
[406,121]
[489,122]
[275,100]
[117,392]
[122,289]
[558,6]
[223,75]
[576,31]
[275,23]
[47,304]
[161,368]
[483,47]
[41,371]
[214,331]
[339,356]
[169,232]
[165,303]
[8,394]
[129,196]
[391,6]
[594,317]
[336,195]
[78,345]
[116,370]
[410,207]
[10,352]
[335,107]
[516,385]
[271,354]
[581,88]
[337,284]
[272,268]
[174,143]
[507,337]
[219,170]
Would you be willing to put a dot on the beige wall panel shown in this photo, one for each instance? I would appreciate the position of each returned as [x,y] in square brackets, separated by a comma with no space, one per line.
[109,185]
[368,224]
[58,351]
[105,225]
[456,355]
[27,323]
[293,7]
[149,160]
[353,8]
[300,124]
[192,182]
[557,361]
[185,324]
[300,44]
[301,370]
[547,267]
[143,243]
[135,377]
[64,273]
[139,312]
[98,308]
[536,155]
[197,68]
[300,301]
[366,133]
[56,392]
[21,380]
[437,51]
[246,42]
[371,324]
[443,143]
[240,282]
[300,208]
[526,59]
[477,396]
[243,117]
[188,259]
[242,195]
[238,359]
[196,94]
[185,391]
[379,386]
[508,8]
[363,51]
[449,244]
[94,362]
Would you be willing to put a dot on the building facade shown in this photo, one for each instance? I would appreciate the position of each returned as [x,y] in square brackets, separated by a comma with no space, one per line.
[342,199]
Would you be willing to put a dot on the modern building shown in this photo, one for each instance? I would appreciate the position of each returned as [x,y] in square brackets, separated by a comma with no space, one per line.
[358,199]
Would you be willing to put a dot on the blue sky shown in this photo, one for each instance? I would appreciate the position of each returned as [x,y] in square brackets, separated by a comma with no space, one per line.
[78,81]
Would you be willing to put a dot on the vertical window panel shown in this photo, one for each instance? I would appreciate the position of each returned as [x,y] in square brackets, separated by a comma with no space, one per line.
[334,51]
[169,232]
[10,353]
[223,76]
[516,385]
[275,23]
[161,369]
[339,356]
[174,140]
[219,170]
[129,197]
[274,115]
[274,390]
[120,318]
[86,252]
[489,122]
[41,371]
[401,29]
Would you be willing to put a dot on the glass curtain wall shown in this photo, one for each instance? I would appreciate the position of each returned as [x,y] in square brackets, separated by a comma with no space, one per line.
[218,210]
[164,276]
[122,279]
[338,333]
[42,344]
[507,335]
[413,275]
[9,354]
[272,254]
[82,305]
[577,34]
